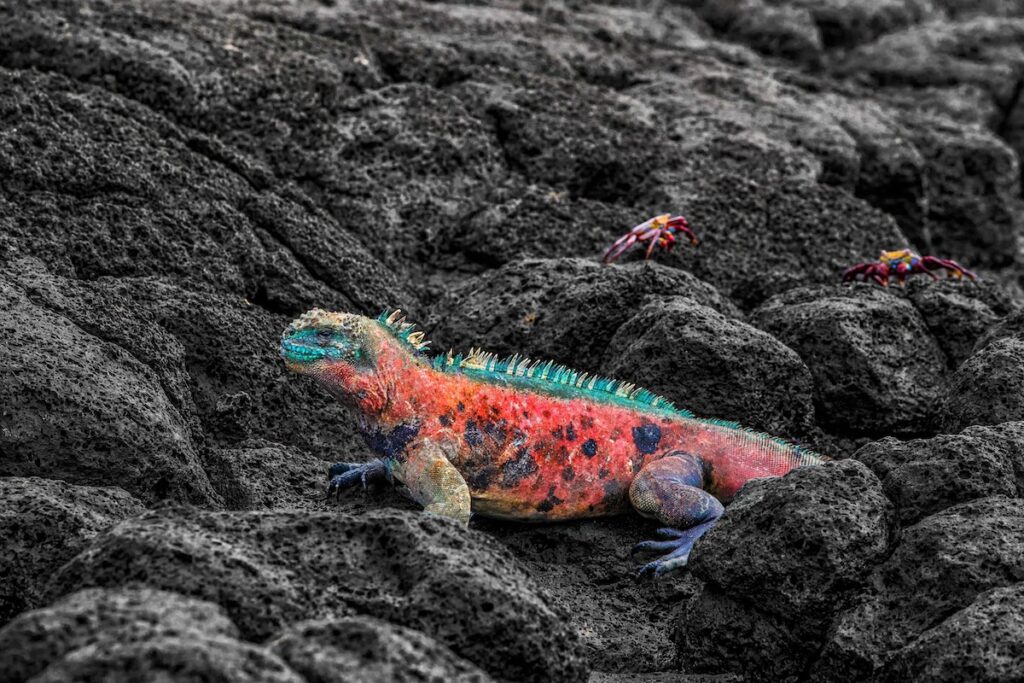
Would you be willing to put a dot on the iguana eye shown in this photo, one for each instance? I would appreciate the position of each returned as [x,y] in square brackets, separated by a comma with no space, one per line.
[324,336]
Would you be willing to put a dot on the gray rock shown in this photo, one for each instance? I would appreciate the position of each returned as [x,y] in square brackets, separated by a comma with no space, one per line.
[983,52]
[974,211]
[40,638]
[272,569]
[43,524]
[958,313]
[563,309]
[155,199]
[984,640]
[713,365]
[262,475]
[778,30]
[925,476]
[369,650]
[781,562]
[988,388]
[170,658]
[876,368]
[84,410]
[941,565]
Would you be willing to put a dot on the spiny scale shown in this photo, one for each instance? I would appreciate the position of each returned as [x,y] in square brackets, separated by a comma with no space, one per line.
[403,331]
[488,364]
[483,362]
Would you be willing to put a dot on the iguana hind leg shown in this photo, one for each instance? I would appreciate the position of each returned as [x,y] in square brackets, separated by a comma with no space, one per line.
[670,490]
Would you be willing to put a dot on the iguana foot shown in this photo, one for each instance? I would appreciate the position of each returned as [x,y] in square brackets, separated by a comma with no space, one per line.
[677,549]
[345,475]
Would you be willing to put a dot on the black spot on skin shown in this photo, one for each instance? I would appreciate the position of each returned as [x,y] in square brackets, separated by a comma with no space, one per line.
[549,503]
[526,414]
[590,448]
[646,437]
[390,444]
[482,478]
[568,473]
[612,488]
[515,470]
[495,430]
[602,473]
[446,419]
[472,433]
[570,432]
[461,406]
[558,433]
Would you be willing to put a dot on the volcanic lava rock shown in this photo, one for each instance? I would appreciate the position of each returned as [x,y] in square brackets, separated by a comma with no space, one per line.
[925,476]
[273,569]
[111,617]
[985,638]
[876,368]
[988,388]
[941,566]
[85,410]
[43,524]
[367,649]
[562,309]
[140,196]
[959,313]
[781,562]
[718,366]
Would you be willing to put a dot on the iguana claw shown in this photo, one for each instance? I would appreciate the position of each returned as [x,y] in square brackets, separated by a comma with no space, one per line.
[659,231]
[345,475]
[678,546]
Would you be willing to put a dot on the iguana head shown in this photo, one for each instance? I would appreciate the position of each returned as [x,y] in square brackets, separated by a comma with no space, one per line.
[319,339]
[348,353]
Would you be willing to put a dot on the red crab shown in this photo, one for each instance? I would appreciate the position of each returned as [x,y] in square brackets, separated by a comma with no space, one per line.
[902,263]
[659,231]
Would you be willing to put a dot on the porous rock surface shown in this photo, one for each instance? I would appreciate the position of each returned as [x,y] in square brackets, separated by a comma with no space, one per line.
[179,179]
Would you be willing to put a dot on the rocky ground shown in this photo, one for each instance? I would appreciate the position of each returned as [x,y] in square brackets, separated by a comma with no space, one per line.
[179,179]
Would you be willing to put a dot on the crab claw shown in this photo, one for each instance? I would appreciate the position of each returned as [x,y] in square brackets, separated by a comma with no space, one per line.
[659,231]
[952,268]
[865,271]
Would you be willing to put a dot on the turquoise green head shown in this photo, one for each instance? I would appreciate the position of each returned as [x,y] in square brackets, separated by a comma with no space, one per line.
[320,339]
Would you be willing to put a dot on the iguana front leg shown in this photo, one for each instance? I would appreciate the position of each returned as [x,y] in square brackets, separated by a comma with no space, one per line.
[432,480]
[671,490]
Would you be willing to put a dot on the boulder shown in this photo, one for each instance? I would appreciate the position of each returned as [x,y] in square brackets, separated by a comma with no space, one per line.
[941,565]
[85,410]
[988,388]
[117,616]
[786,556]
[924,476]
[713,365]
[986,638]
[43,524]
[565,310]
[272,569]
[370,650]
[876,368]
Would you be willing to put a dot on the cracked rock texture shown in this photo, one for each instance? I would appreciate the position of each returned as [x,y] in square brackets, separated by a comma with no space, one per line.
[179,179]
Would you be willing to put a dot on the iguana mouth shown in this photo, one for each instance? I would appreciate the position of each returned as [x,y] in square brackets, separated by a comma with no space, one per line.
[300,353]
